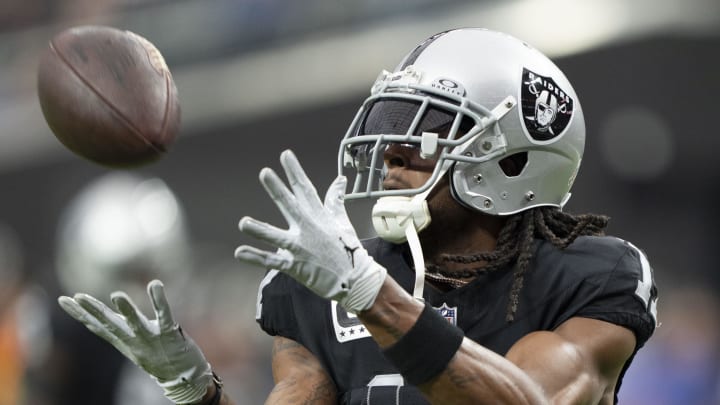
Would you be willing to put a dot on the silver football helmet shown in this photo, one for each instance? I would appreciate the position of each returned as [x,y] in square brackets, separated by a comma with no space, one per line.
[120,232]
[497,114]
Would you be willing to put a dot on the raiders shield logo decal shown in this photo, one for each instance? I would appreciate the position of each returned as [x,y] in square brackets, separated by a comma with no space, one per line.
[546,108]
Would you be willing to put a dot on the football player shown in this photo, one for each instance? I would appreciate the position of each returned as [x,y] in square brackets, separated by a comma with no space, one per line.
[479,287]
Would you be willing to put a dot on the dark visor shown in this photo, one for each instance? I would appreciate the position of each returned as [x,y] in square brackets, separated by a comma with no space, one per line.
[395,117]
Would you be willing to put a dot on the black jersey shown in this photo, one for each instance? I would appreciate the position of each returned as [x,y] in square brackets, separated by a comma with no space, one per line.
[602,278]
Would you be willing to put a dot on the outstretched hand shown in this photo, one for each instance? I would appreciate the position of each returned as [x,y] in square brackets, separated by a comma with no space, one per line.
[320,249]
[158,345]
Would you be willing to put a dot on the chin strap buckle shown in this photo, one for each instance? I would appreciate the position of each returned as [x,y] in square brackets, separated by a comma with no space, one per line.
[392,215]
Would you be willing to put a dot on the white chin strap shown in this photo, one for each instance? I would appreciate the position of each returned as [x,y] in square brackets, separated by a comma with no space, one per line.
[398,219]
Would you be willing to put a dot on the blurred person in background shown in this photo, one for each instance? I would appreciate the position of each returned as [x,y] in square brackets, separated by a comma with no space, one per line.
[501,298]
[12,353]
[24,323]
[121,229]
[125,229]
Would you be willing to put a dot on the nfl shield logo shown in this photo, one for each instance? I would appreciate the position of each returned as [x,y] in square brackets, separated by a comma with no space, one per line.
[449,313]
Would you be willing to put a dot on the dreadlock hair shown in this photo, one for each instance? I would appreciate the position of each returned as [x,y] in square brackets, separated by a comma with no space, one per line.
[515,244]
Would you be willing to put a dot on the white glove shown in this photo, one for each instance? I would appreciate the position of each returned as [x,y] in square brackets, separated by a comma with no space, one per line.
[157,346]
[320,249]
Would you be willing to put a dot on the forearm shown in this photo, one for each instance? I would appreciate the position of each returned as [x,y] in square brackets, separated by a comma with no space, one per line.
[475,375]
[298,391]
[392,315]
[299,376]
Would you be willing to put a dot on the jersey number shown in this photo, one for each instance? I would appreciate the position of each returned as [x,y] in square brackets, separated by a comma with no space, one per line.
[644,288]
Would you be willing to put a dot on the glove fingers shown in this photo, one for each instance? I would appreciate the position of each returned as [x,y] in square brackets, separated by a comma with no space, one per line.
[160,304]
[335,203]
[79,314]
[264,232]
[283,198]
[76,311]
[135,319]
[108,320]
[301,185]
[280,260]
[334,197]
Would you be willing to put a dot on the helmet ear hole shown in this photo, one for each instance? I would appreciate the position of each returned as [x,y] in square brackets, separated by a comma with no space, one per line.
[514,164]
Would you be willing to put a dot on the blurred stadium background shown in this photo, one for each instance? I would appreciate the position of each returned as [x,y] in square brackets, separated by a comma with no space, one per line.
[259,76]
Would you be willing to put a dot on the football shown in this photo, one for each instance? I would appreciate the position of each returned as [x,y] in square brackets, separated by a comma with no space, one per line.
[108,96]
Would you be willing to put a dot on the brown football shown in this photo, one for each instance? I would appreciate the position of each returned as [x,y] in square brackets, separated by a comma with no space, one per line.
[108,96]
